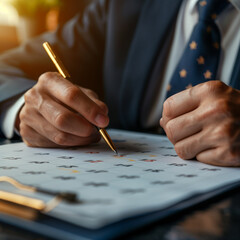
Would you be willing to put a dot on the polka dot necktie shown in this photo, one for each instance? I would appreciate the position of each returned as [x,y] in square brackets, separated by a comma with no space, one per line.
[199,62]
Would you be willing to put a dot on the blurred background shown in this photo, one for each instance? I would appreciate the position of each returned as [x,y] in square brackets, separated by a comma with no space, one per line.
[21,20]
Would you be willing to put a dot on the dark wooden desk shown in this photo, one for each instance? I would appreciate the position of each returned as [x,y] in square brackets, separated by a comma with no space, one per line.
[217,219]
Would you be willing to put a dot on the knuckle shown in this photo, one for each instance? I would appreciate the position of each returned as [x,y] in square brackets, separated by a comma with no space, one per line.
[72,93]
[192,119]
[213,86]
[220,108]
[167,107]
[42,78]
[29,95]
[180,151]
[45,77]
[185,150]
[60,138]
[209,111]
[61,120]
[218,86]
[34,98]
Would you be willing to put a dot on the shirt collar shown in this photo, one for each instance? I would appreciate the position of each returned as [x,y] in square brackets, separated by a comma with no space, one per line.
[192,4]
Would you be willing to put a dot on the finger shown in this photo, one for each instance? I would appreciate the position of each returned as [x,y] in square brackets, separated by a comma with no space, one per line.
[89,93]
[102,105]
[64,119]
[60,138]
[190,147]
[179,104]
[186,100]
[94,97]
[33,139]
[51,138]
[182,127]
[191,98]
[74,97]
[219,157]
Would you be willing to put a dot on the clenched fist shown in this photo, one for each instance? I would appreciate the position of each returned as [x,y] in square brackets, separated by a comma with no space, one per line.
[203,122]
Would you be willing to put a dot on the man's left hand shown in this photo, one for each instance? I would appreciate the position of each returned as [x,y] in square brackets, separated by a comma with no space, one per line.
[203,122]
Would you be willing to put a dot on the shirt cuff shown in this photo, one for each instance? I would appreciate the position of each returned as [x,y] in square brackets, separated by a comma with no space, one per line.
[9,118]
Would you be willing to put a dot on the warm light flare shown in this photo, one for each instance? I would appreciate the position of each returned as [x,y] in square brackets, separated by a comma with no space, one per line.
[8,14]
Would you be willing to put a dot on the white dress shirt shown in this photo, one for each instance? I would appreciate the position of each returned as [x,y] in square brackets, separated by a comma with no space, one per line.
[9,118]
[228,22]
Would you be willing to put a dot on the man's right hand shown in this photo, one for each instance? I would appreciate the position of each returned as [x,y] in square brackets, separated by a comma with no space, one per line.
[58,113]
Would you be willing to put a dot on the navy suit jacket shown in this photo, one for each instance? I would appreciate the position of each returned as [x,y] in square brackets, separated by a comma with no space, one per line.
[111,49]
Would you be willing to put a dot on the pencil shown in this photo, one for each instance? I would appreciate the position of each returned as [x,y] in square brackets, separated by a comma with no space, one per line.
[63,71]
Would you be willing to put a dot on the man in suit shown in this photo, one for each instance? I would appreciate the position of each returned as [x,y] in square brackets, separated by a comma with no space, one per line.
[126,52]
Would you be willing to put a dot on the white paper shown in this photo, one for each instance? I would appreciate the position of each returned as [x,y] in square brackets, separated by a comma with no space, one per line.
[146,176]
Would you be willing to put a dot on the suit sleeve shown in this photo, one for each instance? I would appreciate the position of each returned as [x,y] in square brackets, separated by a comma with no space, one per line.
[80,45]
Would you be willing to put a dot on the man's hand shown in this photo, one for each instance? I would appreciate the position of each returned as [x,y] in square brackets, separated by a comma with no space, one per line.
[59,113]
[203,122]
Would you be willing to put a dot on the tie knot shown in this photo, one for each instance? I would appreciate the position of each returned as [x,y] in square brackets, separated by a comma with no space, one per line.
[209,9]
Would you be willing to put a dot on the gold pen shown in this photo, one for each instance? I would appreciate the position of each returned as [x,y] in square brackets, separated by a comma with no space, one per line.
[63,71]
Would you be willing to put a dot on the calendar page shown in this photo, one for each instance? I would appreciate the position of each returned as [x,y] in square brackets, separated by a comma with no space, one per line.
[145,176]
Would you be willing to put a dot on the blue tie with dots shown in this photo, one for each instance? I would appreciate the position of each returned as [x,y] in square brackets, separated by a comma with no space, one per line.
[199,62]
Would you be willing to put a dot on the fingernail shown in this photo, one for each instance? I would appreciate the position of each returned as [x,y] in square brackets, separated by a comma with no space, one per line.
[101,120]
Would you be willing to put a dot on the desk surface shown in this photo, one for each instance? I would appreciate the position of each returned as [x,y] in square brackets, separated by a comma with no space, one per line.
[217,219]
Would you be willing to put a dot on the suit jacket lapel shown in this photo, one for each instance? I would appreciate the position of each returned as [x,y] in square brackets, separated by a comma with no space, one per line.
[155,23]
